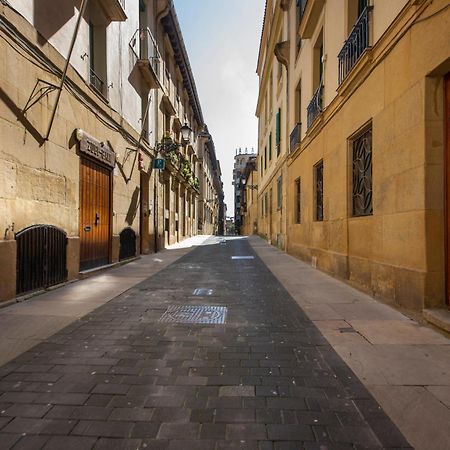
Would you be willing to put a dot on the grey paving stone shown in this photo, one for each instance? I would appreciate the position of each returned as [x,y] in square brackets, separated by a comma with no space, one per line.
[237,391]
[250,431]
[179,431]
[118,444]
[26,410]
[290,433]
[39,426]
[8,440]
[145,430]
[103,429]
[235,415]
[214,431]
[69,443]
[29,442]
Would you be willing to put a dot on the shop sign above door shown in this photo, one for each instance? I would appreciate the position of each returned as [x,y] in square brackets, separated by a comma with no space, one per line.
[95,149]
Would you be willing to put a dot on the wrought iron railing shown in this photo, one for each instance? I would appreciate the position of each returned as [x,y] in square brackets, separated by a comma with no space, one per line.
[96,82]
[355,45]
[144,47]
[315,106]
[295,137]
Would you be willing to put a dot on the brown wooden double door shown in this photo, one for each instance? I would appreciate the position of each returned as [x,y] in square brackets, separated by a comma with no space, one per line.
[95,214]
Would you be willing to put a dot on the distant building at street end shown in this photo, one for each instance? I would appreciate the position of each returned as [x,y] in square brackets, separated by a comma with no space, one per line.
[103,154]
[354,143]
[240,161]
[249,202]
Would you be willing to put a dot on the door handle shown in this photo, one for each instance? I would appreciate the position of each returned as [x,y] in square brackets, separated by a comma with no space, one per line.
[97,218]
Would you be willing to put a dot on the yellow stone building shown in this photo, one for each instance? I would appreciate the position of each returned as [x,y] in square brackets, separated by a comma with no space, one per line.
[249,204]
[78,188]
[360,85]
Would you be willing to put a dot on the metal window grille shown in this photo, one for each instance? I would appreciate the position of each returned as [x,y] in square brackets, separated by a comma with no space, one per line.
[270,147]
[127,244]
[362,174]
[319,191]
[96,82]
[298,210]
[278,129]
[41,257]
[279,191]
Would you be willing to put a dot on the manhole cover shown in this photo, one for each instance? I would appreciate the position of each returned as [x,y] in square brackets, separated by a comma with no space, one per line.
[194,314]
[242,257]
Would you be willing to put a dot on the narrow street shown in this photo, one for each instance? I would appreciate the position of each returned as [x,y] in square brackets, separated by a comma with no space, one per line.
[134,373]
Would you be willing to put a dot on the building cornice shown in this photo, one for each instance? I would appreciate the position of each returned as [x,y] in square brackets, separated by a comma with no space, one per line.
[173,30]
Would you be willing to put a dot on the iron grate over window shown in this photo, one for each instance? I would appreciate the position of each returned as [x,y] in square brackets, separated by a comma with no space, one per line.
[202,314]
[319,191]
[362,174]
[127,244]
[41,258]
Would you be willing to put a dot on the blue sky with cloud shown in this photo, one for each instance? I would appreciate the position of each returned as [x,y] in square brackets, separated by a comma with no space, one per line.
[222,39]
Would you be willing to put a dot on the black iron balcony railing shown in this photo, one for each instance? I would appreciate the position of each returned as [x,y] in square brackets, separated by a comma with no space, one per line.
[295,137]
[96,82]
[144,47]
[301,5]
[315,106]
[355,45]
[149,49]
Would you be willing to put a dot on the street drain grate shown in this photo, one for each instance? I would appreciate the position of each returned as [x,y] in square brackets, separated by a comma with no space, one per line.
[242,257]
[195,314]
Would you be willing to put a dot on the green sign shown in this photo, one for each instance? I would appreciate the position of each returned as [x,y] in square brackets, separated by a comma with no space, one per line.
[159,163]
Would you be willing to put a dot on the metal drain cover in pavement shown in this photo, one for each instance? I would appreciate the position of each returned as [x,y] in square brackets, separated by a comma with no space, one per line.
[194,314]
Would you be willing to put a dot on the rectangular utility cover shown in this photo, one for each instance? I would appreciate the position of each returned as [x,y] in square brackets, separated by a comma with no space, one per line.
[195,314]
[202,292]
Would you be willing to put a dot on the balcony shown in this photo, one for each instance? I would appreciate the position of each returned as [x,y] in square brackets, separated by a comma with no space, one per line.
[144,47]
[315,106]
[295,137]
[309,11]
[114,9]
[355,45]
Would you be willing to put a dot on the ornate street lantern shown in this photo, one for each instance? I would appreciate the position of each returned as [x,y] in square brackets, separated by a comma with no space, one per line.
[186,133]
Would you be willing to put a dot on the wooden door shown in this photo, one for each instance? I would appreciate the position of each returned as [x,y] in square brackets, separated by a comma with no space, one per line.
[447,185]
[95,212]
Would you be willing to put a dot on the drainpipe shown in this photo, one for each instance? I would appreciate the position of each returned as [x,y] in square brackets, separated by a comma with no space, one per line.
[66,67]
[159,16]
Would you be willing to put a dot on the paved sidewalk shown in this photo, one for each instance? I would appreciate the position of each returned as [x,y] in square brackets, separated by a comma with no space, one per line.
[25,324]
[120,377]
[405,366]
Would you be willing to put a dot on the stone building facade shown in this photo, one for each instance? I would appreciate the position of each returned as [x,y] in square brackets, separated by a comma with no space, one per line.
[361,86]
[241,159]
[249,204]
[78,189]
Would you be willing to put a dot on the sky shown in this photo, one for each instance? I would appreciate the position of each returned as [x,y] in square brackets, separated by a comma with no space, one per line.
[222,40]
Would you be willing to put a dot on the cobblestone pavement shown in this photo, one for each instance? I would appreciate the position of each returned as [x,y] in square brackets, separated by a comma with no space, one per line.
[122,378]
